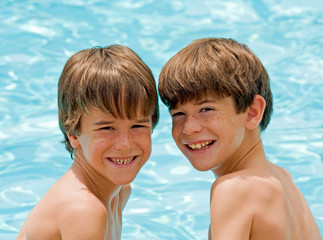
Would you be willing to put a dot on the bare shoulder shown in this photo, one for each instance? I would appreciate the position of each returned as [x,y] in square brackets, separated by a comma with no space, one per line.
[247,186]
[232,190]
[83,203]
[236,199]
[249,205]
[231,206]
[85,218]
[238,184]
[63,210]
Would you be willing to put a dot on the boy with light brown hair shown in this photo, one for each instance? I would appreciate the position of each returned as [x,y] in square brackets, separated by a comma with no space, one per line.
[108,107]
[219,97]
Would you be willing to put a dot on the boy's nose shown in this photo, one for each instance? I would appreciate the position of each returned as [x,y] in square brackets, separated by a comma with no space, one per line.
[191,126]
[123,142]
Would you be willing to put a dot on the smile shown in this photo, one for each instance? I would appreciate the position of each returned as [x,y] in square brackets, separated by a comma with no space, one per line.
[122,161]
[201,145]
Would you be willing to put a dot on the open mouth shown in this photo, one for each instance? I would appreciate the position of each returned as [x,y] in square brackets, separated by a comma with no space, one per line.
[122,161]
[200,145]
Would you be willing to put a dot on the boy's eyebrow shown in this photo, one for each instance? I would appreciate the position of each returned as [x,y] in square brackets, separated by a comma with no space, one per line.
[104,122]
[204,101]
[145,120]
[196,103]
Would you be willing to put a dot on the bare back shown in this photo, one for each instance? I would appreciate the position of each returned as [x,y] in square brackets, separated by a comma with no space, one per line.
[264,204]
[289,212]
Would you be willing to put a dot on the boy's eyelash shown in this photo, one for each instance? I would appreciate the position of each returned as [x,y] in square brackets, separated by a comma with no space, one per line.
[202,110]
[206,109]
[177,114]
[138,126]
[111,128]
[106,128]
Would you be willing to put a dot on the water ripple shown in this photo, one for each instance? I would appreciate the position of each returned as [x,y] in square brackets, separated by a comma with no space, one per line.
[36,39]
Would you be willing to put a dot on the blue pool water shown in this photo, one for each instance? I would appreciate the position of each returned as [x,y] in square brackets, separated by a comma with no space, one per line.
[170,200]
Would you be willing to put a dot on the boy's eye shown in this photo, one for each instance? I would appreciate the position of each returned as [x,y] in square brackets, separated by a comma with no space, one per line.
[138,126]
[206,109]
[106,128]
[176,114]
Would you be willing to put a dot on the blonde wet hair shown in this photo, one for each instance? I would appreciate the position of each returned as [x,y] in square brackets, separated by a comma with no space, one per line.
[112,79]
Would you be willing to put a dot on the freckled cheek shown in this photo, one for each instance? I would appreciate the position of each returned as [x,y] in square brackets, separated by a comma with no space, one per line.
[96,148]
[148,151]
[212,124]
[143,140]
[145,145]
[207,122]
[177,126]
[176,132]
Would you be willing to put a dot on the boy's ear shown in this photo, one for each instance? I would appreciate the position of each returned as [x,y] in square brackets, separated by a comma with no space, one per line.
[74,140]
[255,112]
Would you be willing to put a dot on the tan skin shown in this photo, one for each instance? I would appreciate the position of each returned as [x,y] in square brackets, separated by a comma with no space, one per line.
[251,198]
[87,201]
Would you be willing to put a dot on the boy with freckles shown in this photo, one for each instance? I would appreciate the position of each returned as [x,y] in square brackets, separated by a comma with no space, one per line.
[219,97]
[108,107]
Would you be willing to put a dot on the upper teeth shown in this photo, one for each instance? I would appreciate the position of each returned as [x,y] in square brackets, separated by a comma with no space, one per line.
[122,161]
[198,146]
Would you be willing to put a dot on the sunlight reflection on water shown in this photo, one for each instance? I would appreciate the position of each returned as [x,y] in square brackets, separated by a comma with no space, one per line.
[37,37]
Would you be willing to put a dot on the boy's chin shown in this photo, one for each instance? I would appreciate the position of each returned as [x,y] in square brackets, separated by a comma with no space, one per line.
[200,167]
[124,180]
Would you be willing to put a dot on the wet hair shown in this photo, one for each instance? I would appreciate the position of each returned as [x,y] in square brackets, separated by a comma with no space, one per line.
[217,66]
[112,79]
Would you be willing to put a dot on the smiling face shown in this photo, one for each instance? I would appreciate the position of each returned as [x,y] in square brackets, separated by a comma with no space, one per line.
[209,132]
[114,147]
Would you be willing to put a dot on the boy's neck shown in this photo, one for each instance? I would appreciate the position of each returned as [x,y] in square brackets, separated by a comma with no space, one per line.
[101,187]
[251,155]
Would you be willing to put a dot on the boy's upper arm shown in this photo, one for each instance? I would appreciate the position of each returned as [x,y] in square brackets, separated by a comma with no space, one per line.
[231,210]
[84,221]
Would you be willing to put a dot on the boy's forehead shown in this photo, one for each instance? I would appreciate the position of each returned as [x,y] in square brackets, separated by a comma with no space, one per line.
[205,98]
[99,116]
[97,112]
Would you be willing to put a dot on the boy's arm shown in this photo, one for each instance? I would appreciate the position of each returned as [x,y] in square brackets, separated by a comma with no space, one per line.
[231,210]
[84,221]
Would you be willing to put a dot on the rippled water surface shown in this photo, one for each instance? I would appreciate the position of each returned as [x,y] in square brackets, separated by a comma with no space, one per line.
[170,200]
